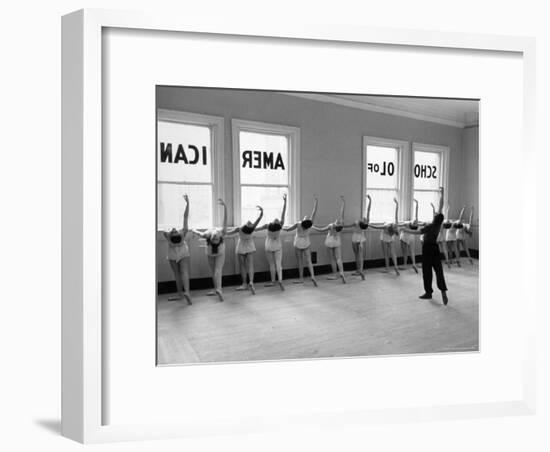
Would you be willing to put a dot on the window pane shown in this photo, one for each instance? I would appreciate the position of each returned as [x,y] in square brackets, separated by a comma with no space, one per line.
[427,170]
[424,198]
[171,205]
[184,153]
[270,198]
[382,207]
[263,158]
[382,167]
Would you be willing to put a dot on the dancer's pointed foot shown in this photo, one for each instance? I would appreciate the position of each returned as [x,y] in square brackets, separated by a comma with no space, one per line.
[188,298]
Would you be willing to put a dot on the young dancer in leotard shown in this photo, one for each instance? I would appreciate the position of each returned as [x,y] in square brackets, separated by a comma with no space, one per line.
[215,251]
[463,230]
[408,241]
[245,250]
[178,256]
[302,244]
[274,247]
[358,239]
[333,242]
[389,233]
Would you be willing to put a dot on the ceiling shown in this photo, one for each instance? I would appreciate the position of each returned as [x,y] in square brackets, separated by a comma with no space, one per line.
[454,112]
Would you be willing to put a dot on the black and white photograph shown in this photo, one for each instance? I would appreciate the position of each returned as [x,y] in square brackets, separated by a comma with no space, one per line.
[301,225]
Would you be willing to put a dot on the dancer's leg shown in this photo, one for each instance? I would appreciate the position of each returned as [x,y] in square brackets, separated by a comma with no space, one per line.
[385,250]
[300,258]
[212,265]
[278,257]
[177,276]
[250,262]
[242,267]
[307,253]
[332,263]
[358,258]
[394,257]
[360,254]
[271,261]
[338,257]
[218,270]
[184,267]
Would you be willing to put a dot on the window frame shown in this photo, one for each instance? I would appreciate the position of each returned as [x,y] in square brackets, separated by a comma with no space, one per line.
[294,141]
[216,124]
[444,152]
[403,162]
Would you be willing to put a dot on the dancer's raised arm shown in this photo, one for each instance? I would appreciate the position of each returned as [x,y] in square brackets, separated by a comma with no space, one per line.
[260,215]
[224,207]
[283,213]
[314,211]
[415,210]
[396,210]
[342,209]
[441,199]
[186,215]
[470,220]
[461,214]
[368,208]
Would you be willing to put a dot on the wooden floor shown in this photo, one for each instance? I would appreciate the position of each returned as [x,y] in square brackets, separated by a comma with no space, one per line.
[379,316]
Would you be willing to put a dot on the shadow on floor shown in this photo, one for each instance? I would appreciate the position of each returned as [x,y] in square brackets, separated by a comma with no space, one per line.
[51,425]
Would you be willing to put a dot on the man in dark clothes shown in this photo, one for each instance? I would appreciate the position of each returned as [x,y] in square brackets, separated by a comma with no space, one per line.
[431,257]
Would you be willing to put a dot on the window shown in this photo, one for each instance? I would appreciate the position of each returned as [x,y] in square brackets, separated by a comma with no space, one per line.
[266,165]
[188,146]
[429,171]
[383,160]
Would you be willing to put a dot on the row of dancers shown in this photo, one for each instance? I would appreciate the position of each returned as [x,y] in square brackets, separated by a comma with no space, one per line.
[451,237]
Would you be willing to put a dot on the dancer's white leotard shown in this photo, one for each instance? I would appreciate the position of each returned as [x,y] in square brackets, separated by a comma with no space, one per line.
[333,239]
[358,235]
[386,235]
[273,241]
[450,234]
[407,237]
[461,232]
[210,249]
[177,251]
[245,245]
[301,240]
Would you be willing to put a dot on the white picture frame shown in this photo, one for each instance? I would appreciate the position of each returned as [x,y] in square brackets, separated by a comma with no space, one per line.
[85,394]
